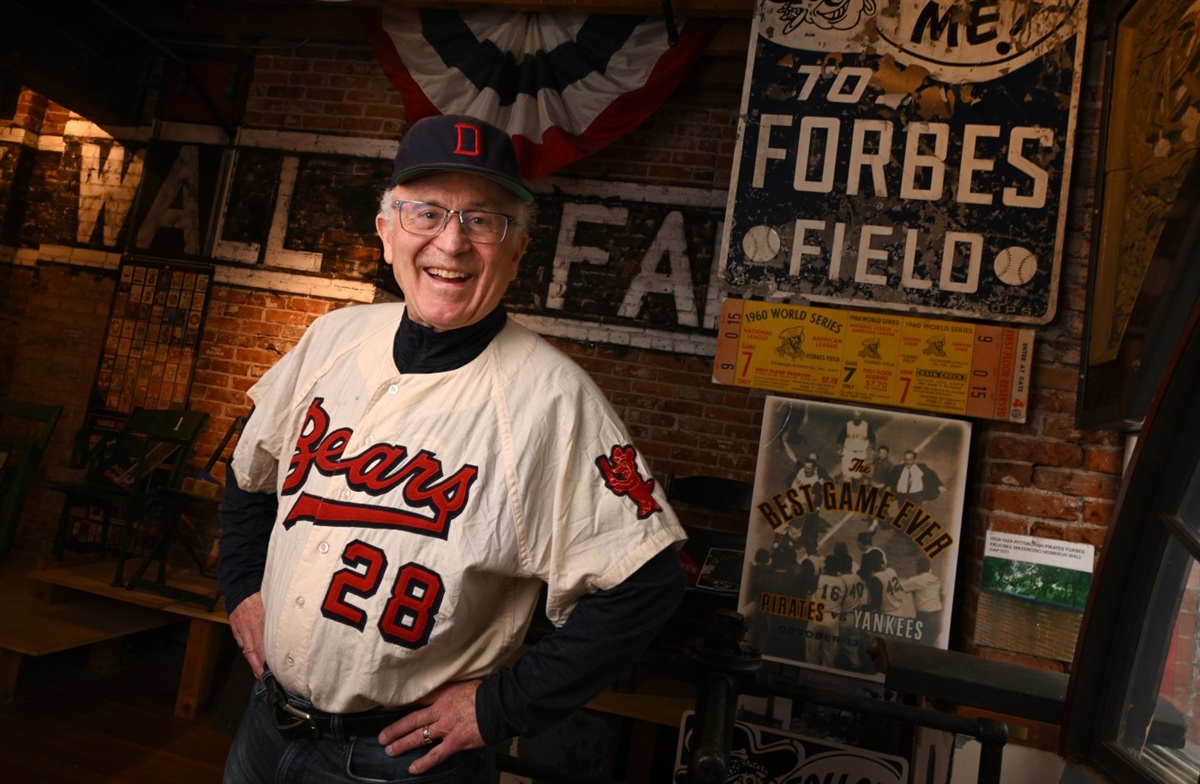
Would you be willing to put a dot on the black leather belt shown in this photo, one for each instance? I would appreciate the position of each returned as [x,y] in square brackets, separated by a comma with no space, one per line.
[301,721]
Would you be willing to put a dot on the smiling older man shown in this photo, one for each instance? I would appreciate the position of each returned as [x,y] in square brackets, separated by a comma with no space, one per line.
[410,477]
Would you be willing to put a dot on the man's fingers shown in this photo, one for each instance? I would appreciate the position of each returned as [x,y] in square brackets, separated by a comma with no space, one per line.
[431,759]
[406,727]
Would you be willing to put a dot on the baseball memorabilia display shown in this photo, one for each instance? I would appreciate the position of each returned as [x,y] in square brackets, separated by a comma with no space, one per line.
[1035,583]
[154,328]
[907,156]
[888,359]
[854,532]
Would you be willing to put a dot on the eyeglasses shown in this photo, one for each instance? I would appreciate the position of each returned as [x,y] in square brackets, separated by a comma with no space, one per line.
[426,220]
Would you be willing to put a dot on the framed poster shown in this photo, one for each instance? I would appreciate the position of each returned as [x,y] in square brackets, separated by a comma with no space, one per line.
[155,324]
[909,156]
[854,532]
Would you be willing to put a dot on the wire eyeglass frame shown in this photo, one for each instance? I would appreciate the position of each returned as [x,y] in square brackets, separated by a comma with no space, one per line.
[470,230]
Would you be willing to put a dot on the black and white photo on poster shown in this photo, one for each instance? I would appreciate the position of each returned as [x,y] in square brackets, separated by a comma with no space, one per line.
[854,532]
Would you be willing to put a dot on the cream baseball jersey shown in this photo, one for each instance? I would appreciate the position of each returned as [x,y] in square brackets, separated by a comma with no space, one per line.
[419,514]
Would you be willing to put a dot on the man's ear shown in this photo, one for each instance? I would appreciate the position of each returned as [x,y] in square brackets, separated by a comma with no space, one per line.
[383,229]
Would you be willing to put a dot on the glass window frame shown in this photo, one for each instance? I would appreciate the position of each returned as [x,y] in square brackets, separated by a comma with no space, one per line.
[1126,613]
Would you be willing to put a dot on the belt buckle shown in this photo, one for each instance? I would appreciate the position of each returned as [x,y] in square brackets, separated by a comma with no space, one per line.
[292,723]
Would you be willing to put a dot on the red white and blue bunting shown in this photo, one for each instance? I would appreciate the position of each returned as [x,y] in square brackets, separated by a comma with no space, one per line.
[563,86]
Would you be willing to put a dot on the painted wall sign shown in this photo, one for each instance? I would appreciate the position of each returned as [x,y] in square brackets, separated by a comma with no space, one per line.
[173,214]
[623,254]
[911,155]
[947,367]
[619,263]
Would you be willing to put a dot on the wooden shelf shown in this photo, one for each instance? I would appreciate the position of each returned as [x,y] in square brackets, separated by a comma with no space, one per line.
[95,577]
[204,630]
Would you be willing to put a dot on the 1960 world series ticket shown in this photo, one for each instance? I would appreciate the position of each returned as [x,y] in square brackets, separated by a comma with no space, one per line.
[951,367]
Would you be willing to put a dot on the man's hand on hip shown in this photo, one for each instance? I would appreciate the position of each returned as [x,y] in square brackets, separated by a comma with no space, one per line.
[446,724]
[247,621]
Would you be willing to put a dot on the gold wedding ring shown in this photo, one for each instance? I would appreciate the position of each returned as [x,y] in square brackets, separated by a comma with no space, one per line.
[425,737]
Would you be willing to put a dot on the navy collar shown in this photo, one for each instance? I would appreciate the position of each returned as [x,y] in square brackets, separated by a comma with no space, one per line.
[418,349]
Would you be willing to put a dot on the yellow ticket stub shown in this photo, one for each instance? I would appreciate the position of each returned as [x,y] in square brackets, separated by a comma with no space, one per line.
[950,367]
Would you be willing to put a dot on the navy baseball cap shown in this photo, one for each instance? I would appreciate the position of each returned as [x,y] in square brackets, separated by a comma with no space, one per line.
[454,142]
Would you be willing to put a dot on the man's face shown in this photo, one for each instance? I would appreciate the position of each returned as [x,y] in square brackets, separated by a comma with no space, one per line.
[449,281]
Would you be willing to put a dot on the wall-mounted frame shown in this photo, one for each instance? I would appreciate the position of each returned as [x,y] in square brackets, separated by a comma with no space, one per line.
[1142,278]
[155,323]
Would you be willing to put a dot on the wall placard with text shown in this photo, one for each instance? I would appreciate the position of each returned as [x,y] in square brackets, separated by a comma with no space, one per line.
[907,156]
[946,367]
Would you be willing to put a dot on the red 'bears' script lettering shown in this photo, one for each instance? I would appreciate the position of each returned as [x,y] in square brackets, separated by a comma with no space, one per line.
[431,500]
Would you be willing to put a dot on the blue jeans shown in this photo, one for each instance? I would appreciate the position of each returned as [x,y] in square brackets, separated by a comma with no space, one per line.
[260,755]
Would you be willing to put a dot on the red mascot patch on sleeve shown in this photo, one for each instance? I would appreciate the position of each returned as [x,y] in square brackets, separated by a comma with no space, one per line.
[621,476]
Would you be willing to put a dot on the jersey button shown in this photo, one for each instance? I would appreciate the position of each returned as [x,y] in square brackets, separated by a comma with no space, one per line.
[323,547]
[393,389]
[299,601]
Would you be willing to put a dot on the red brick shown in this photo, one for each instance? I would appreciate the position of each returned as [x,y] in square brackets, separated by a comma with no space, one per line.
[1054,401]
[1058,378]
[1034,450]
[1098,512]
[1010,474]
[1107,460]
[1030,503]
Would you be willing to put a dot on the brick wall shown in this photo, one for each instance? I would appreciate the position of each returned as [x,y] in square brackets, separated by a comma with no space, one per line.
[245,332]
[54,324]
[327,89]
[1045,478]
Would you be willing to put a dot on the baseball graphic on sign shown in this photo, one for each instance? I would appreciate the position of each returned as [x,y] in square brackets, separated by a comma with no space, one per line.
[761,244]
[1015,266]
